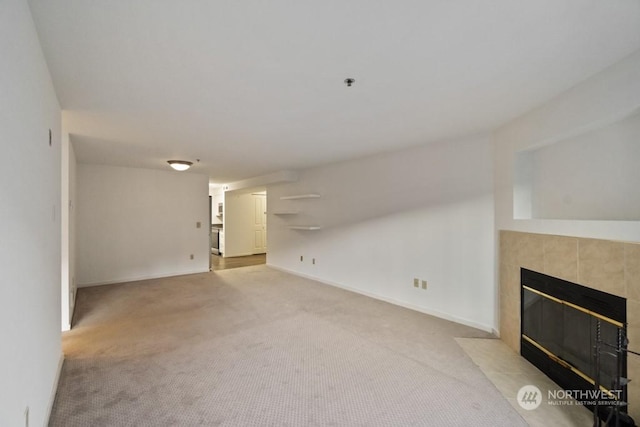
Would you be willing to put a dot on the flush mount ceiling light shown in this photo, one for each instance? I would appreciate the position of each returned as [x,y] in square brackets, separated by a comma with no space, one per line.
[180,165]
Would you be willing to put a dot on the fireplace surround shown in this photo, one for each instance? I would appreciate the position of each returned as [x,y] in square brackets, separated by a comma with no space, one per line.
[561,323]
[608,266]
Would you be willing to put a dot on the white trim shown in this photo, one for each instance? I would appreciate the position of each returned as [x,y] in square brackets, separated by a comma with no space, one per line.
[393,301]
[54,389]
[137,279]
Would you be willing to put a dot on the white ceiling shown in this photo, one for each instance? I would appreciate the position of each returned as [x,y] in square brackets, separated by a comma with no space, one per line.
[254,86]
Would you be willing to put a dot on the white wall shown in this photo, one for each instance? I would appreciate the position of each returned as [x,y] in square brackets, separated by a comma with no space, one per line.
[139,224]
[589,176]
[73,200]
[30,354]
[593,104]
[68,232]
[422,213]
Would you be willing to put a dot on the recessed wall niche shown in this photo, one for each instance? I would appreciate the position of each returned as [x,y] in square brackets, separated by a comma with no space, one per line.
[594,175]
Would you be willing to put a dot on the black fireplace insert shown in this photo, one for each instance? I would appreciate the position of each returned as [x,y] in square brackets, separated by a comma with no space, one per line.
[559,324]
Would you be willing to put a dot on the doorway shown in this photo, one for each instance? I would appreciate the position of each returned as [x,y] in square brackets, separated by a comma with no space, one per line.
[244,228]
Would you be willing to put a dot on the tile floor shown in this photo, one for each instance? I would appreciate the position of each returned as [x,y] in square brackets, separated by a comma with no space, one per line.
[508,371]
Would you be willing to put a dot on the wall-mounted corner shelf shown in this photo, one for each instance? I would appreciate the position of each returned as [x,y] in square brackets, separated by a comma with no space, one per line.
[305,227]
[286,213]
[300,196]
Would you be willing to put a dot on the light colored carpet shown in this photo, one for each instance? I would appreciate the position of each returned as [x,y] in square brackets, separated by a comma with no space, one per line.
[255,347]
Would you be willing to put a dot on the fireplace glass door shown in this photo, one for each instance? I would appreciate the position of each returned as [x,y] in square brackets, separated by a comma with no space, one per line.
[569,334]
[560,323]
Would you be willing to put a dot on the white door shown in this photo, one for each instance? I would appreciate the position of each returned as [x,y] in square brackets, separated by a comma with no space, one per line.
[260,223]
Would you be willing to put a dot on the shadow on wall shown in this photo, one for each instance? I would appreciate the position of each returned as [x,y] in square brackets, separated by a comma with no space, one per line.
[355,191]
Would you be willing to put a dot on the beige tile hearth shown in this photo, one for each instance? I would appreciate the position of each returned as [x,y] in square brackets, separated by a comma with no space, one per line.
[508,371]
[605,265]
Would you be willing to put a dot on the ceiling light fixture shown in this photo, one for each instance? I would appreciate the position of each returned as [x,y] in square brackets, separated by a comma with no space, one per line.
[180,165]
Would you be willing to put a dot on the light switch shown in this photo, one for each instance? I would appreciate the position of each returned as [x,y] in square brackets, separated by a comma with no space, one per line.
[198,224]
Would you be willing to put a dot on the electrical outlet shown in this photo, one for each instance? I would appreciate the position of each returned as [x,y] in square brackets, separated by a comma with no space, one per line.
[416,282]
[191,256]
[301,258]
[424,284]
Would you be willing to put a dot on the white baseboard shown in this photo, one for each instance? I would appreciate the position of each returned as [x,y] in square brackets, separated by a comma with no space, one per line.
[54,389]
[139,278]
[393,301]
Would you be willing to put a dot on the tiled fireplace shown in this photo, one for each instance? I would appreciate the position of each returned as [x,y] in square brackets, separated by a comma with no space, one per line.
[608,266]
